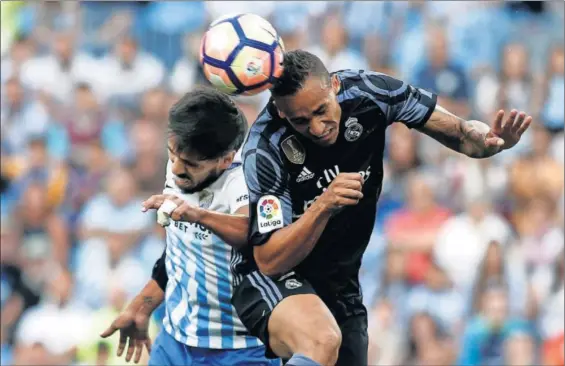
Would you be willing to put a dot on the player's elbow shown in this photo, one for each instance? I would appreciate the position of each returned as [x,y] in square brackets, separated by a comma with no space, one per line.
[267,263]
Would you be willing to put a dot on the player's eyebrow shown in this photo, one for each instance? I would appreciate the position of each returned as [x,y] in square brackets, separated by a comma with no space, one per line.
[303,119]
[186,161]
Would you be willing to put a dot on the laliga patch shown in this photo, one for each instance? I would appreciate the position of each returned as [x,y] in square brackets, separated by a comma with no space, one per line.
[353,130]
[293,150]
[269,214]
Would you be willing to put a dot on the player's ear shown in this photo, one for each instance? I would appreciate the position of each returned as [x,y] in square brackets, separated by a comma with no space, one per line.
[226,160]
[336,85]
[281,114]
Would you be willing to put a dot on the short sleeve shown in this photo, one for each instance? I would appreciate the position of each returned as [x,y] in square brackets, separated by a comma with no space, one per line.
[236,191]
[400,101]
[269,196]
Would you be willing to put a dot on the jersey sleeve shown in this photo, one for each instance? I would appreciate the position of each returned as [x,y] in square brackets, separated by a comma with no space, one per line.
[400,101]
[270,204]
[236,191]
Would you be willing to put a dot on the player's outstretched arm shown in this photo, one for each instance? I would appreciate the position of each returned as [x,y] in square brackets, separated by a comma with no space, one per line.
[475,138]
[133,322]
[232,229]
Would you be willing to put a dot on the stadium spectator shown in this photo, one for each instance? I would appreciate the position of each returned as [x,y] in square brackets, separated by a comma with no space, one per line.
[463,240]
[552,114]
[21,50]
[334,51]
[129,71]
[56,74]
[413,229]
[187,72]
[485,334]
[111,227]
[22,117]
[504,264]
[442,75]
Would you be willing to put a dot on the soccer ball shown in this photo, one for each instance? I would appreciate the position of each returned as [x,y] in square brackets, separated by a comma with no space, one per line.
[241,54]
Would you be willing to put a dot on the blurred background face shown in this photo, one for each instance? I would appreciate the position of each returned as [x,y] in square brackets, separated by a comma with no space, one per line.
[419,194]
[14,91]
[126,50]
[60,288]
[423,329]
[63,47]
[154,106]
[85,99]
[34,204]
[401,147]
[558,61]
[37,154]
[495,306]
[515,61]
[313,111]
[190,172]
[494,259]
[436,279]
[395,265]
[334,37]
[121,187]
[541,141]
[519,350]
[437,46]
[478,208]
[22,51]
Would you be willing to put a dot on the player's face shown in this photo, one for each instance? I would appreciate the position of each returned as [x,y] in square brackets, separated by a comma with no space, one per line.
[192,174]
[314,111]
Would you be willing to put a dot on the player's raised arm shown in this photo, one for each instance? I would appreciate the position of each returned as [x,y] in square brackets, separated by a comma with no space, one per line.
[475,138]
[279,243]
[417,108]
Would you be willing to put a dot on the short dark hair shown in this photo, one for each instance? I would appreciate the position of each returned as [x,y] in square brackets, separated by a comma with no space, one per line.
[206,122]
[298,65]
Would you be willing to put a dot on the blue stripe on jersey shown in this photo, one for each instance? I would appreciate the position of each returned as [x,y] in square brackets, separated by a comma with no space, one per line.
[354,92]
[376,89]
[177,295]
[224,294]
[203,316]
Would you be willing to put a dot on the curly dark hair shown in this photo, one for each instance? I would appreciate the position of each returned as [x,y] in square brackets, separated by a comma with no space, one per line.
[298,65]
[208,123]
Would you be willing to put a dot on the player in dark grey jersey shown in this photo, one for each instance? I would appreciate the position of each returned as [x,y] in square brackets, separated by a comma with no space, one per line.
[313,166]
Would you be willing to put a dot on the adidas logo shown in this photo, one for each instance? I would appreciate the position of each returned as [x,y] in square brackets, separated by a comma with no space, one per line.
[305,174]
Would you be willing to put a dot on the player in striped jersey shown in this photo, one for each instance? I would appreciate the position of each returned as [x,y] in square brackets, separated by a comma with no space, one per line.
[207,200]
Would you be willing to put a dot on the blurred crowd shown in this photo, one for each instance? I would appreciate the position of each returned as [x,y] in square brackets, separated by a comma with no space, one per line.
[466,262]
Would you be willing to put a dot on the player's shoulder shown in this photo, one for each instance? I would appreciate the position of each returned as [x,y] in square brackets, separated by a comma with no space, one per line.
[367,80]
[266,133]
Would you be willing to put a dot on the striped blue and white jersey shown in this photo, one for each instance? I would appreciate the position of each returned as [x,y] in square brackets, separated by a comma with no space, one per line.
[199,289]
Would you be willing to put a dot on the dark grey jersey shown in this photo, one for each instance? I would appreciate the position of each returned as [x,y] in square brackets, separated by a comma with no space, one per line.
[286,173]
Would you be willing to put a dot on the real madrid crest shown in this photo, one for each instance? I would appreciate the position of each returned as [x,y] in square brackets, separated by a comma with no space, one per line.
[353,129]
[293,150]
[205,199]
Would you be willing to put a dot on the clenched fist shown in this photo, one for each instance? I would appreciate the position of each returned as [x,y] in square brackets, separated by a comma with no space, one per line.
[344,190]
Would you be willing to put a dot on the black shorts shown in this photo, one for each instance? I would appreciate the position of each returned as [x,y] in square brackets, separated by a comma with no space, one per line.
[257,295]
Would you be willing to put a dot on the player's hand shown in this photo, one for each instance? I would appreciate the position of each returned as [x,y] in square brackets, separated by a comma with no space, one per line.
[183,212]
[133,327]
[344,190]
[504,136]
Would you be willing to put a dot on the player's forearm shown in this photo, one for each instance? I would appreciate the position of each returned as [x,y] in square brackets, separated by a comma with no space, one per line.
[148,299]
[232,229]
[287,247]
[466,137]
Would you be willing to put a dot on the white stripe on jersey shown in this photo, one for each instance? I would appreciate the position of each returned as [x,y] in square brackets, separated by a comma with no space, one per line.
[198,295]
